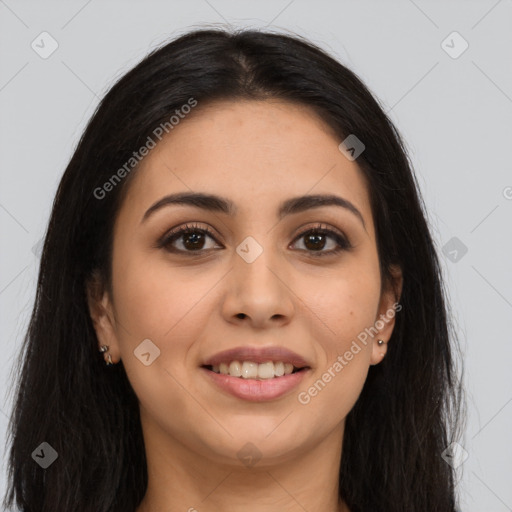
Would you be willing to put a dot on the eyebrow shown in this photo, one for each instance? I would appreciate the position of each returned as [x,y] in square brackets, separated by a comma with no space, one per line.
[210,202]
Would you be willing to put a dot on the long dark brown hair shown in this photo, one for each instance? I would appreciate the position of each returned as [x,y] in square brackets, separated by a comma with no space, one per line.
[409,410]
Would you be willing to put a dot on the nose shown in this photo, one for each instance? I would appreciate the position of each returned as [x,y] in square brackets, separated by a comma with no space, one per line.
[258,293]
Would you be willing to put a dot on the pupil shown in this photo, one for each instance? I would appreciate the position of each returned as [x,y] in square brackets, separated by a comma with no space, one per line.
[196,238]
[316,240]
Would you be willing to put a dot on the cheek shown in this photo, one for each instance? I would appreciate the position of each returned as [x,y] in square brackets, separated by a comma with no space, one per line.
[347,308]
[167,305]
[344,306]
[154,299]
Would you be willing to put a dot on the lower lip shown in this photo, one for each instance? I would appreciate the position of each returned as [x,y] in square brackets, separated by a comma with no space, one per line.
[256,390]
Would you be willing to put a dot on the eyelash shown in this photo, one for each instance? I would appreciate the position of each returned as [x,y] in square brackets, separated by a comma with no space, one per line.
[342,242]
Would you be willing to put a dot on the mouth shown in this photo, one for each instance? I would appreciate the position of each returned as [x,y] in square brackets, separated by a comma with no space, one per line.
[256,374]
[249,385]
[254,370]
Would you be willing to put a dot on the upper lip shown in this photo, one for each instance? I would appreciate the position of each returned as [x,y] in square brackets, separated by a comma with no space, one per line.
[257,355]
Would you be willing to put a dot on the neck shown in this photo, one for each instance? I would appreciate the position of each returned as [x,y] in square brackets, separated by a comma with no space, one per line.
[185,478]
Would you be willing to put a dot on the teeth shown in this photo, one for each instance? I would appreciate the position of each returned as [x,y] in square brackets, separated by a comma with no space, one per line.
[235,369]
[266,370]
[251,370]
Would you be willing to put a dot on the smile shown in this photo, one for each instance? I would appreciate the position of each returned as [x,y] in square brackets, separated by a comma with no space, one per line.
[255,389]
[253,370]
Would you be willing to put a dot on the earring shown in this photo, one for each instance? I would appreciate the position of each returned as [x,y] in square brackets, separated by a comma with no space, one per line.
[104,348]
[380,342]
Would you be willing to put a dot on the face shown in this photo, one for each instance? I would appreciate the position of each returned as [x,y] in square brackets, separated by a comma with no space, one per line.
[249,278]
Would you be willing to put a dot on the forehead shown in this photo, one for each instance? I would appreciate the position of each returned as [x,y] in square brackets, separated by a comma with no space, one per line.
[256,153]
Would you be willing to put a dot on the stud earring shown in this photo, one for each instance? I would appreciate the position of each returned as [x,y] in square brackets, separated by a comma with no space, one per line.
[104,348]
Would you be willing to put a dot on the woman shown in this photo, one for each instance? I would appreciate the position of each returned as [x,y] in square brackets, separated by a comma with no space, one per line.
[240,238]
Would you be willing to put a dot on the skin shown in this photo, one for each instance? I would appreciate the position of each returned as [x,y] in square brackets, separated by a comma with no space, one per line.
[257,154]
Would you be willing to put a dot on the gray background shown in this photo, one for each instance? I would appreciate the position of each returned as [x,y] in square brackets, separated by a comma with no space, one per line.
[455,115]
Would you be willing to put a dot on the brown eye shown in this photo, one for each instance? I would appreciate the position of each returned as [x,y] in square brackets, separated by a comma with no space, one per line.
[192,239]
[315,241]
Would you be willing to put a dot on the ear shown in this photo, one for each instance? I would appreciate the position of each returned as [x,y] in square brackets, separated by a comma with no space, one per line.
[388,307]
[101,312]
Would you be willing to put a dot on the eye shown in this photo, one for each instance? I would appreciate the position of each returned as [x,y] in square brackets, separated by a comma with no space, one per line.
[193,239]
[315,241]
